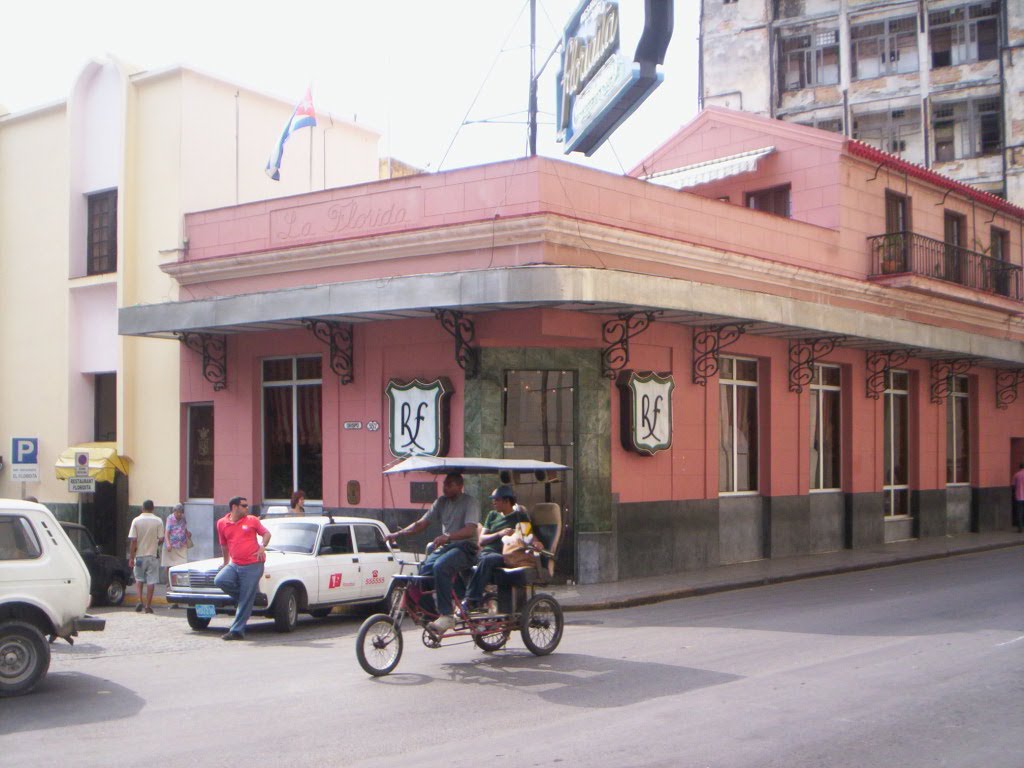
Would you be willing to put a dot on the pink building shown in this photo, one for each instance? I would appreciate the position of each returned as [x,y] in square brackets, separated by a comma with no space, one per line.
[770,340]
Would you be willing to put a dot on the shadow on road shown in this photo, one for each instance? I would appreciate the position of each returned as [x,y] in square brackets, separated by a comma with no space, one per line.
[590,682]
[69,698]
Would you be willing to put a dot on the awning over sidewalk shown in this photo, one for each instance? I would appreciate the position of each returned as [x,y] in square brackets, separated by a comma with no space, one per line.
[104,461]
[709,170]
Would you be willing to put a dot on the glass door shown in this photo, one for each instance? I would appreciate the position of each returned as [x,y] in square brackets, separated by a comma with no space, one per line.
[539,422]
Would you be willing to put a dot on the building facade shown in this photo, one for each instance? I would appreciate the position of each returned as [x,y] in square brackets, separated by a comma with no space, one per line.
[93,191]
[938,83]
[785,357]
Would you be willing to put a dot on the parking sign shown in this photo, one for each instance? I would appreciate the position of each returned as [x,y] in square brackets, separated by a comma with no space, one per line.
[25,459]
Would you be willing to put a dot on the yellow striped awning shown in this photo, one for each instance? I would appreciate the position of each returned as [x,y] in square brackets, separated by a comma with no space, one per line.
[104,461]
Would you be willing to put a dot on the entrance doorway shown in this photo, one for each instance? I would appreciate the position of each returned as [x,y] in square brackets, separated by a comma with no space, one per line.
[106,515]
[539,418]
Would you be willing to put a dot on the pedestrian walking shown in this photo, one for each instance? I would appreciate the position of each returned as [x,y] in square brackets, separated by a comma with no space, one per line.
[242,570]
[1017,485]
[144,537]
[177,540]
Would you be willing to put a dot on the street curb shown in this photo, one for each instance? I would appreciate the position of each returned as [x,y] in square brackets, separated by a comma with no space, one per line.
[710,589]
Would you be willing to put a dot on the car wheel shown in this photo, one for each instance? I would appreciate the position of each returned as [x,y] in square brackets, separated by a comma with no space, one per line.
[24,658]
[286,609]
[194,621]
[114,594]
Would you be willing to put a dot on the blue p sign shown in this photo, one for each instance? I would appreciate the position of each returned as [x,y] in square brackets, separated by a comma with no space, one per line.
[25,450]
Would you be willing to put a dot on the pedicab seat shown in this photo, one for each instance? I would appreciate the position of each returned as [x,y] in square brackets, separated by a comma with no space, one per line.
[546,519]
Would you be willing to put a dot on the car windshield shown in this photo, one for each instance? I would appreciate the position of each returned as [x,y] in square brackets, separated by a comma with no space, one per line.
[292,536]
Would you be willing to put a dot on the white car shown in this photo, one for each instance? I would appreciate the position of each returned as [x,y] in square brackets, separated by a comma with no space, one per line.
[44,593]
[313,564]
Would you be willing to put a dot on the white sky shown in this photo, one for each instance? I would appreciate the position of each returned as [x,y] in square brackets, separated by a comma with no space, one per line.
[408,68]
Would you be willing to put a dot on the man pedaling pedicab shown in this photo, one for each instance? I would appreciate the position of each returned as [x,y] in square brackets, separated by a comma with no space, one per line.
[455,550]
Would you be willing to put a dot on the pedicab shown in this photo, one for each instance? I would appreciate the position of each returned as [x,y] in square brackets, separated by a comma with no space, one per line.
[512,604]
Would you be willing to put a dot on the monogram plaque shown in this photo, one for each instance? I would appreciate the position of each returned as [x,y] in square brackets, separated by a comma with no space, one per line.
[418,417]
[646,407]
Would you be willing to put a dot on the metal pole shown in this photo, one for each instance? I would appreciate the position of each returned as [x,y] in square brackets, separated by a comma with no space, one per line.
[533,80]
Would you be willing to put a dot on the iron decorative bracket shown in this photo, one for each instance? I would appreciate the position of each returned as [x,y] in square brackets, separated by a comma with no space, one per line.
[804,354]
[879,364]
[616,334]
[338,337]
[214,350]
[942,373]
[464,332]
[1006,387]
[708,344]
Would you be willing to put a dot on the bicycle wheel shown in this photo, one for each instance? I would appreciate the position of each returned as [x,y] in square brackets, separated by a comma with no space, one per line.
[379,645]
[541,624]
[489,641]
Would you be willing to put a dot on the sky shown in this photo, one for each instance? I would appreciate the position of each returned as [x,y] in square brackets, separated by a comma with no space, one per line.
[411,69]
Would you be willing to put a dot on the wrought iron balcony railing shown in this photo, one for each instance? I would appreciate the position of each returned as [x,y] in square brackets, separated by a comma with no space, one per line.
[899,252]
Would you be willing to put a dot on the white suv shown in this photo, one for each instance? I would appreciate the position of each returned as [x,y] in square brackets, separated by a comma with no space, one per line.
[44,593]
[313,564]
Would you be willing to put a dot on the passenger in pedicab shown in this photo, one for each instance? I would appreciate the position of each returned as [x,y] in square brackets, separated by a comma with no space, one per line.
[500,523]
[455,550]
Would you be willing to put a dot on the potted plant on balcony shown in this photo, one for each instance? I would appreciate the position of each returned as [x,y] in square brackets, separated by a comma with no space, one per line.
[893,253]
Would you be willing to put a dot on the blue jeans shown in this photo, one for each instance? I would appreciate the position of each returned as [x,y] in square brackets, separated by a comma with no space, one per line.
[444,564]
[241,582]
[489,560]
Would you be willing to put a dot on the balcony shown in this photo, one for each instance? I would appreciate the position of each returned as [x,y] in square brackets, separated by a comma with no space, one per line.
[899,253]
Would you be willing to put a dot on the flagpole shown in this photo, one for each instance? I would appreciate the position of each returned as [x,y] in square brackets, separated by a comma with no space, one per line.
[311,159]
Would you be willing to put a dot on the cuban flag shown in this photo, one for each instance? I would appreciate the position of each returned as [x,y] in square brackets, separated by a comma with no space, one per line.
[302,117]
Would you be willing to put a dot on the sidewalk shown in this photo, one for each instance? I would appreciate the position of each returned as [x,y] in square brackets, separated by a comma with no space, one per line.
[622,594]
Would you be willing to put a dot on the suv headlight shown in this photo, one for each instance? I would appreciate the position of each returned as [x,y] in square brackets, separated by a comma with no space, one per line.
[180,579]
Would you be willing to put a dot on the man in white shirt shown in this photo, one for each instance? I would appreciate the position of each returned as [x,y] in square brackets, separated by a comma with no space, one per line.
[144,539]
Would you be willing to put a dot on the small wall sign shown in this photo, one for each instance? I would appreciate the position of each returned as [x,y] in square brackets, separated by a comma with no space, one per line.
[646,407]
[418,417]
[372,426]
[353,425]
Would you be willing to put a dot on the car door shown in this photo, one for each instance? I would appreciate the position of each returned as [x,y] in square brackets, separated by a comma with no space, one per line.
[337,566]
[376,561]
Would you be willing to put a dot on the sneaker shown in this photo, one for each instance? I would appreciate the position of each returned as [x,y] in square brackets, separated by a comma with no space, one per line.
[442,625]
[232,636]
[149,609]
[139,607]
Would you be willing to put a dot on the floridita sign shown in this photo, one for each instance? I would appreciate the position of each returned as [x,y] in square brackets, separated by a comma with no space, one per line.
[611,60]
[418,417]
[646,411]
[350,217]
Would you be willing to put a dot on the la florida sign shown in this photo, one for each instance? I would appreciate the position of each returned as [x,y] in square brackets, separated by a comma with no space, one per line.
[418,414]
[646,408]
[611,62]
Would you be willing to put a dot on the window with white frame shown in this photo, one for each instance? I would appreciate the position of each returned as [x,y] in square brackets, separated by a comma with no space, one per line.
[896,488]
[810,60]
[887,47]
[890,131]
[967,129]
[830,124]
[737,425]
[963,35]
[958,432]
[292,437]
[825,428]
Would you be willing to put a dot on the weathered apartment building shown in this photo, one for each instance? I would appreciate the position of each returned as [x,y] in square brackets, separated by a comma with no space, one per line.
[935,82]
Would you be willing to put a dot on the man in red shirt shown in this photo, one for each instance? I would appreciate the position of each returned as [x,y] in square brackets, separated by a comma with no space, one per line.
[243,561]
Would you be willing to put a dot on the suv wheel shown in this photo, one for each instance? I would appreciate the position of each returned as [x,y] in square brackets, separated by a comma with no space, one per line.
[114,594]
[24,657]
[286,609]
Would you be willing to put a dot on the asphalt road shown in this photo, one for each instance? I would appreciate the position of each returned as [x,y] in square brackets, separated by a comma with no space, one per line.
[917,665]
